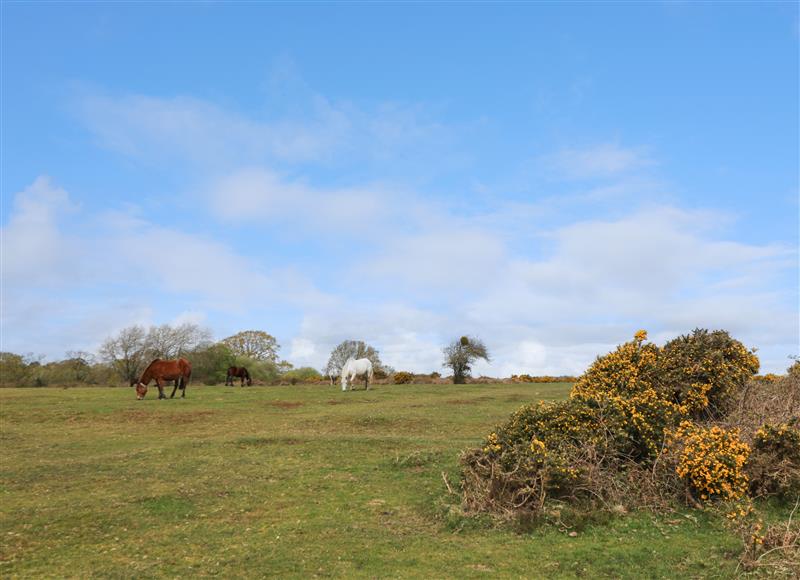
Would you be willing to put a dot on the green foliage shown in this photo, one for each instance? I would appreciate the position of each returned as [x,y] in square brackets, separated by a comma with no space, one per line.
[210,363]
[253,344]
[402,378]
[14,370]
[260,370]
[302,375]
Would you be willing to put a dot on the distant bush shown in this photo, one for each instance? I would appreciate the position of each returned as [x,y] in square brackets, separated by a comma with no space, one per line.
[402,378]
[542,379]
[302,375]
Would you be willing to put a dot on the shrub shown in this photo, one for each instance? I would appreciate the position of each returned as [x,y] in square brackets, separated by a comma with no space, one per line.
[402,378]
[303,375]
[775,464]
[703,371]
[609,439]
[626,378]
[541,379]
[710,460]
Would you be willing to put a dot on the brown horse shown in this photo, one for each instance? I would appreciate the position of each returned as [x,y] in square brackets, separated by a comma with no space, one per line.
[239,373]
[159,370]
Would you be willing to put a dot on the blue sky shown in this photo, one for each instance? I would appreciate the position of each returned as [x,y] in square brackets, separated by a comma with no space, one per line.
[550,177]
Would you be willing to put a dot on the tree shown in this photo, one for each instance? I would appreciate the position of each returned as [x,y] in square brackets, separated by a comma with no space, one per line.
[254,344]
[134,347]
[126,352]
[460,354]
[80,364]
[14,371]
[352,349]
[169,342]
[210,363]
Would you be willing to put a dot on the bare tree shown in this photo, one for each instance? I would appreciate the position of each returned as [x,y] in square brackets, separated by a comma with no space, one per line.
[352,349]
[460,354]
[255,344]
[133,348]
[126,352]
[169,342]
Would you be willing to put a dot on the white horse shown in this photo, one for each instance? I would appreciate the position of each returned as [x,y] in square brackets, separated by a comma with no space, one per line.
[355,367]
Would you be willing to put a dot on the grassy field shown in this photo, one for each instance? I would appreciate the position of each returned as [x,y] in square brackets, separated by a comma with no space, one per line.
[293,482]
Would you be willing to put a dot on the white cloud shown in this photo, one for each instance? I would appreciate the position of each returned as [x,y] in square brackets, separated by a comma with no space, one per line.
[599,161]
[111,267]
[258,194]
[416,273]
[34,247]
[316,130]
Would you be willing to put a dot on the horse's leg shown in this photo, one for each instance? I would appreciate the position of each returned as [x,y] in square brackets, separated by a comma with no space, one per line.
[183,387]
[175,388]
[161,394]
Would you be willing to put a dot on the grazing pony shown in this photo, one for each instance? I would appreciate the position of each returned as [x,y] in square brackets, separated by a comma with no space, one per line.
[179,370]
[239,373]
[355,367]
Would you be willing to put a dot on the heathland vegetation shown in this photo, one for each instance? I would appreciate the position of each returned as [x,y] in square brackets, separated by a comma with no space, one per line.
[658,460]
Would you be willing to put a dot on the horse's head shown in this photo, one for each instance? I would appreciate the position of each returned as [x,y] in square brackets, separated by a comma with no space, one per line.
[141,391]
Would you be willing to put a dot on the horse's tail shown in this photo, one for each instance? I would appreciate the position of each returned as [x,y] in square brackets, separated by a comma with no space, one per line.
[187,374]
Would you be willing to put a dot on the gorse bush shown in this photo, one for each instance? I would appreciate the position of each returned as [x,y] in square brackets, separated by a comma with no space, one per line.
[541,379]
[775,465]
[402,378]
[633,426]
[704,370]
[711,461]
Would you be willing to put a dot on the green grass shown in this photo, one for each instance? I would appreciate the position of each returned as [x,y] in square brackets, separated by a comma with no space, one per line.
[292,482]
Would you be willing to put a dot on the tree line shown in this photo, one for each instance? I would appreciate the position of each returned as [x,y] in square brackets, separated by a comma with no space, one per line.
[122,358]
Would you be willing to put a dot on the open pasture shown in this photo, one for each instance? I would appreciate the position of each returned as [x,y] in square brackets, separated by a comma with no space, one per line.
[296,481]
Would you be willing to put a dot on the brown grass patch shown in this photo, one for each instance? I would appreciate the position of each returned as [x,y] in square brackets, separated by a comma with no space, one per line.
[259,441]
[139,416]
[285,404]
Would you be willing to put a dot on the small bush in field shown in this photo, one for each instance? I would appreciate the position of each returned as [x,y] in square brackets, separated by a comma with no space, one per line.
[402,378]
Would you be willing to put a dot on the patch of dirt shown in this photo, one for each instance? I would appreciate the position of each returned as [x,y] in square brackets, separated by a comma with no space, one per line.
[335,402]
[461,402]
[259,441]
[285,404]
[140,416]
[517,398]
